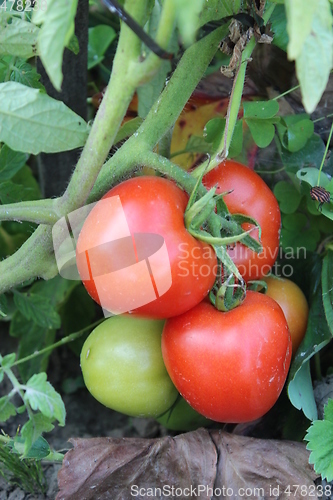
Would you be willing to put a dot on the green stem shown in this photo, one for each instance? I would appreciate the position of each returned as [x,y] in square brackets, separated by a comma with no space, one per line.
[63,341]
[325,154]
[232,114]
[39,212]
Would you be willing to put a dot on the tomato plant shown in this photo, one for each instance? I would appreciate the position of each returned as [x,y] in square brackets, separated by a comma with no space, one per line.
[249,195]
[294,305]
[154,212]
[229,366]
[123,369]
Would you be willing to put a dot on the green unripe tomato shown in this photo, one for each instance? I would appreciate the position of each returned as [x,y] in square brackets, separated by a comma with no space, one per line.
[182,417]
[123,368]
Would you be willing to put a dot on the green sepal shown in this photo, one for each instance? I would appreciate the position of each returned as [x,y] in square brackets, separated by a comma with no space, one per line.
[230,295]
[197,212]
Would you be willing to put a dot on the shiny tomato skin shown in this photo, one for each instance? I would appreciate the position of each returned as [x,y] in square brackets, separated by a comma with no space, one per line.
[122,367]
[252,197]
[153,205]
[229,366]
[294,305]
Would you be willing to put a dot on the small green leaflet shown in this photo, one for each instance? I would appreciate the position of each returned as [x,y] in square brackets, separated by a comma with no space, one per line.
[33,122]
[39,450]
[10,192]
[320,443]
[327,284]
[260,118]
[23,72]
[18,38]
[288,196]
[187,13]
[295,131]
[37,308]
[99,39]
[279,27]
[54,35]
[33,429]
[10,162]
[7,409]
[41,396]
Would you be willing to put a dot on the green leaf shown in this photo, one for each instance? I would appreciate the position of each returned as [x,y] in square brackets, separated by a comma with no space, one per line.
[294,221]
[41,396]
[260,109]
[298,134]
[33,122]
[73,45]
[10,192]
[310,175]
[215,10]
[213,133]
[236,145]
[55,34]
[307,240]
[320,443]
[37,308]
[327,284]
[278,22]
[32,431]
[187,16]
[262,131]
[7,409]
[300,392]
[128,129]
[10,162]
[309,156]
[3,305]
[316,337]
[39,450]
[17,38]
[99,39]
[288,197]
[8,360]
[314,63]
[299,24]
[30,188]
[150,92]
[23,72]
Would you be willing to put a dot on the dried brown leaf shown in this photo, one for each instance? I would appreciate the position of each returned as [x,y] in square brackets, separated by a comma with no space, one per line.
[204,464]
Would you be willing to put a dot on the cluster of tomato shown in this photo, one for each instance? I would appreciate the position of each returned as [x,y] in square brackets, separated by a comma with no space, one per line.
[227,366]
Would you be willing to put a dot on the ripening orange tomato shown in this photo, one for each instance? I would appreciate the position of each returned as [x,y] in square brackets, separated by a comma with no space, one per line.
[293,303]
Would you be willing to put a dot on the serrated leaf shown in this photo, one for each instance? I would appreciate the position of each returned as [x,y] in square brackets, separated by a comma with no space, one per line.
[262,131]
[320,443]
[39,450]
[33,429]
[38,309]
[33,122]
[8,360]
[299,24]
[288,197]
[23,72]
[327,285]
[314,63]
[7,409]
[18,38]
[56,32]
[10,162]
[99,39]
[260,109]
[41,396]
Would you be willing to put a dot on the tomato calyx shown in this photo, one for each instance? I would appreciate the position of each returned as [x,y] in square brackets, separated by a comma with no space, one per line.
[229,295]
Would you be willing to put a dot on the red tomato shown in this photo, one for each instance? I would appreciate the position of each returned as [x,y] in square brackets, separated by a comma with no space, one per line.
[251,197]
[229,366]
[134,253]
